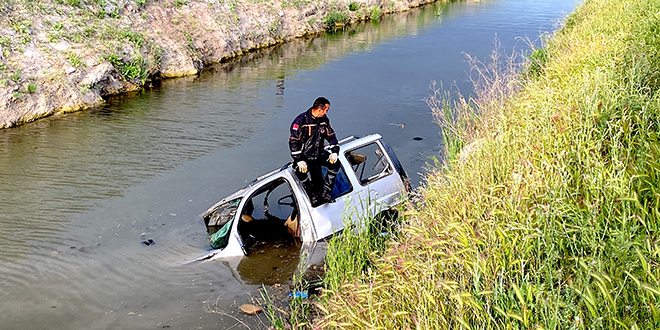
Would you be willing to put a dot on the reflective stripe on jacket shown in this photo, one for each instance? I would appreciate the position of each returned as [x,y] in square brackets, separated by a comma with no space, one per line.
[307,137]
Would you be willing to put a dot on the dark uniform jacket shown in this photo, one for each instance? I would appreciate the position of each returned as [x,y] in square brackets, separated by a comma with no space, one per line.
[307,136]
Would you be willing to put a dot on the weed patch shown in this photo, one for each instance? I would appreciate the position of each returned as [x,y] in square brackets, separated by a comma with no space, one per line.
[180,3]
[335,20]
[31,88]
[74,60]
[376,13]
[135,69]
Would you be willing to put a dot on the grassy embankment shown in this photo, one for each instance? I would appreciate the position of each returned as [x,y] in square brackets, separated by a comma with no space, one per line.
[552,220]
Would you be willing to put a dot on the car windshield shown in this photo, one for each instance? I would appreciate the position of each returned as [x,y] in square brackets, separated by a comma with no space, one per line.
[219,221]
[221,215]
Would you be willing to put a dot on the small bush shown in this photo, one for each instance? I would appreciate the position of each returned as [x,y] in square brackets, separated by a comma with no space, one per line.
[125,34]
[537,60]
[16,75]
[274,29]
[5,45]
[376,13]
[180,3]
[22,27]
[74,60]
[31,88]
[353,6]
[135,69]
[335,19]
[52,37]
[88,32]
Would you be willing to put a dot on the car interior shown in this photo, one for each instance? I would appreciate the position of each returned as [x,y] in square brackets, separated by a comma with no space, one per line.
[270,216]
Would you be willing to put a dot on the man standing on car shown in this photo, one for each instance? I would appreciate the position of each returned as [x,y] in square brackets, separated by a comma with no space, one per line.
[308,132]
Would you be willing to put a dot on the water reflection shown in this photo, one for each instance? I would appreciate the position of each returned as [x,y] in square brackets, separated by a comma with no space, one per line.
[58,167]
[269,266]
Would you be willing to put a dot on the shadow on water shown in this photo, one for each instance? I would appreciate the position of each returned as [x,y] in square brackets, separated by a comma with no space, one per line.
[269,265]
[79,192]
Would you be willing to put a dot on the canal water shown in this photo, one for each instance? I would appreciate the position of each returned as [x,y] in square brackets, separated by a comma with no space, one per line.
[80,193]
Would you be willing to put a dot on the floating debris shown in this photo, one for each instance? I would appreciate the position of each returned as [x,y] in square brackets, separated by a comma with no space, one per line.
[148,242]
[250,309]
[418,138]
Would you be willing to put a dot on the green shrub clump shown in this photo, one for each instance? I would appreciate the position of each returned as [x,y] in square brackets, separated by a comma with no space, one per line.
[335,19]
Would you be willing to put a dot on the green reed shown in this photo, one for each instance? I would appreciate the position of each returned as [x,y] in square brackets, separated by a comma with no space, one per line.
[351,253]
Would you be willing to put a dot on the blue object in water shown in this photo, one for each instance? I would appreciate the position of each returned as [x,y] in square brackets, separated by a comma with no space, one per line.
[298,294]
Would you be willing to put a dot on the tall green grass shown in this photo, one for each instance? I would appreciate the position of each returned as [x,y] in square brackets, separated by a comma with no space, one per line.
[351,255]
[546,213]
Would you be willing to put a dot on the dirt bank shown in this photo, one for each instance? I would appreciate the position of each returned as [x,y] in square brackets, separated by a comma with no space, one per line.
[68,55]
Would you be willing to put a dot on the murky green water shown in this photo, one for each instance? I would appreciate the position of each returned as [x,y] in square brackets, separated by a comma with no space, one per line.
[80,192]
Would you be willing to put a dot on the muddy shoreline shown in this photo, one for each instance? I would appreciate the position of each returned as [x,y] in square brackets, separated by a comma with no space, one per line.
[73,55]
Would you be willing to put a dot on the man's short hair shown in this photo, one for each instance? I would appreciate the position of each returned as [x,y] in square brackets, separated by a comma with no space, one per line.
[319,102]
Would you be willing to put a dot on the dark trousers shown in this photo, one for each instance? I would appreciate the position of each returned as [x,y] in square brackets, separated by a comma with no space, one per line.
[313,180]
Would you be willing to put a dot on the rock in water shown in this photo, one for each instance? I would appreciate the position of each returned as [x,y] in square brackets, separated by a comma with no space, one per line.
[250,309]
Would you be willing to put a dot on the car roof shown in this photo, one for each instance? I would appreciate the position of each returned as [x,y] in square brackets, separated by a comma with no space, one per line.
[346,143]
[352,141]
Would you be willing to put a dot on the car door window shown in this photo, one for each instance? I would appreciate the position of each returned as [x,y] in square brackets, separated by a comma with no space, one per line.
[369,163]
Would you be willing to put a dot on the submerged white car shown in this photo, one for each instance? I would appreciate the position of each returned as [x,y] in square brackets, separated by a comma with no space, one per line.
[371,181]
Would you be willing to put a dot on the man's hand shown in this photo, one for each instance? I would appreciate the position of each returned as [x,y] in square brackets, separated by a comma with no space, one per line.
[302,166]
[332,158]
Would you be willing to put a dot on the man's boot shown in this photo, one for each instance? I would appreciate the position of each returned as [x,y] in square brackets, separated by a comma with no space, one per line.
[315,199]
[329,183]
[326,195]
